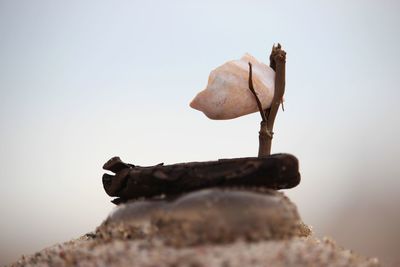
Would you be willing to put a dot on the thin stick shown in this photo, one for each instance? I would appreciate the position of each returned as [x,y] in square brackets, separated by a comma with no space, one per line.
[277,63]
[251,87]
[278,57]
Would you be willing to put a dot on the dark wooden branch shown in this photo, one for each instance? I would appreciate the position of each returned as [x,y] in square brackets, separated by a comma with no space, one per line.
[278,171]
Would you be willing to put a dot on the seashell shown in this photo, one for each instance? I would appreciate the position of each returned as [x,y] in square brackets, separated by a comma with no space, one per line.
[227,94]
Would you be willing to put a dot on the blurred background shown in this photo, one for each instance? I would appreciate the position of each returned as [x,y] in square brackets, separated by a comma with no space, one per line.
[82,81]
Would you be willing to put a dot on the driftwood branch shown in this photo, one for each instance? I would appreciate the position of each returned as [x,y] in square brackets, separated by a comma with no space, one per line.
[278,171]
[278,64]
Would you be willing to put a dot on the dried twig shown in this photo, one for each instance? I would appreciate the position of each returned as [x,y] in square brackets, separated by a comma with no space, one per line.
[277,63]
[263,117]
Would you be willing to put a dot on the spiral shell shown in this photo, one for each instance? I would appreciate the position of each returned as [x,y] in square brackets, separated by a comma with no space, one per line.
[227,94]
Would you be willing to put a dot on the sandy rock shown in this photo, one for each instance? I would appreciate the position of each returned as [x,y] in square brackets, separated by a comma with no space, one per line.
[208,216]
[125,240]
[296,252]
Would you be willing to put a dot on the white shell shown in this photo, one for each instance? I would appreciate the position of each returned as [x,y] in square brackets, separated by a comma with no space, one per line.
[227,94]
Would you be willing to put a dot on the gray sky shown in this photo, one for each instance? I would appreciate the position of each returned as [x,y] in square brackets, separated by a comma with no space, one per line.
[82,81]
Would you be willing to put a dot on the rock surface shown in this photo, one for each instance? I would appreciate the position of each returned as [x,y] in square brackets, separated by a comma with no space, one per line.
[227,94]
[215,215]
[88,251]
